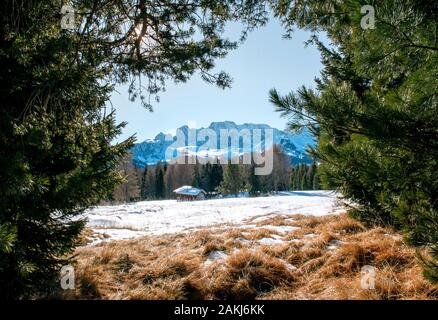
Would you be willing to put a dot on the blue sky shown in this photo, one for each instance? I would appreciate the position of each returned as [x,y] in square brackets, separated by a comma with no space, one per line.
[264,61]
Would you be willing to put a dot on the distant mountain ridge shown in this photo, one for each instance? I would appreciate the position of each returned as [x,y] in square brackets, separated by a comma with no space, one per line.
[151,151]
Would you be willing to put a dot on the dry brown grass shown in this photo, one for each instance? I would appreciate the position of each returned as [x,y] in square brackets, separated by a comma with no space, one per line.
[306,266]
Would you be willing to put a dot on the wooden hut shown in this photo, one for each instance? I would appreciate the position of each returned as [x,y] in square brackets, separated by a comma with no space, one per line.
[189,193]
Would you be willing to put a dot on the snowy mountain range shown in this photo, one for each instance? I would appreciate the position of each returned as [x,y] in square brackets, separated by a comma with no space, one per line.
[206,142]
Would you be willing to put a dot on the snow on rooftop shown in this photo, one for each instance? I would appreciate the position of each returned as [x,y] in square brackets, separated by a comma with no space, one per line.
[188,190]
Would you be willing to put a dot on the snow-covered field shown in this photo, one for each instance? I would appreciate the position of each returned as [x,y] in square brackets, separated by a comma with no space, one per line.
[169,216]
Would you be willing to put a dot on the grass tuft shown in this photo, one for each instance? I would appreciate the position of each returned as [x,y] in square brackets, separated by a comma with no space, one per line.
[305,266]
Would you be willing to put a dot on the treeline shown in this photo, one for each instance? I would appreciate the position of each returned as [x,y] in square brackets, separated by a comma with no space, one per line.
[304,177]
[158,181]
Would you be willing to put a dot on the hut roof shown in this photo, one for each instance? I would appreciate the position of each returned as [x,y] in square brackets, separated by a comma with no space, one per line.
[188,190]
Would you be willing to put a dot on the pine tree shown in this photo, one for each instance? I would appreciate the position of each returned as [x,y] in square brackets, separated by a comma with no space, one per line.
[170,181]
[315,178]
[231,184]
[57,155]
[374,111]
[206,177]
[253,182]
[143,184]
[302,177]
[160,190]
[129,190]
[150,184]
[308,177]
[293,178]
[197,181]
[216,176]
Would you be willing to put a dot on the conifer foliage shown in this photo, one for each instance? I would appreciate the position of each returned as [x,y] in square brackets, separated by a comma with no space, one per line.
[56,152]
[215,178]
[304,177]
[374,110]
[232,183]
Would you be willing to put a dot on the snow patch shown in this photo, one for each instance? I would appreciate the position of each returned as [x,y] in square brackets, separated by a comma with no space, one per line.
[270,241]
[310,235]
[243,240]
[334,244]
[104,235]
[214,256]
[281,229]
[290,267]
[170,216]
